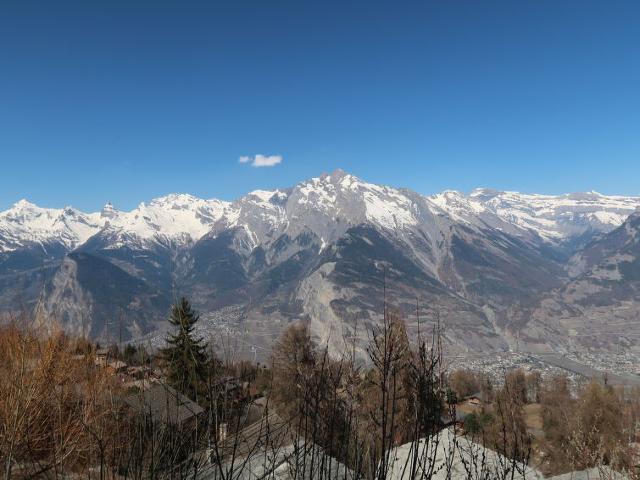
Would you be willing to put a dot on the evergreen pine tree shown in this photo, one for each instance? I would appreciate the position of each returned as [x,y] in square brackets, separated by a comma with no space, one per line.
[185,357]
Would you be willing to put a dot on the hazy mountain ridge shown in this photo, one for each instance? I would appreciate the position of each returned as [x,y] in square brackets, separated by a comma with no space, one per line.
[600,305]
[318,251]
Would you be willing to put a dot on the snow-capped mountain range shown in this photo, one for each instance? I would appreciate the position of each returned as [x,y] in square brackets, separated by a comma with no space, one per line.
[314,252]
[337,198]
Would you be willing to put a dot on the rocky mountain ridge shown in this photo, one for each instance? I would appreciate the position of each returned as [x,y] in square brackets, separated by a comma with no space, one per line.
[322,251]
[185,217]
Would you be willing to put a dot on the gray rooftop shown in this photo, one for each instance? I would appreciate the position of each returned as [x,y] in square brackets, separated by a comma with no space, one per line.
[164,404]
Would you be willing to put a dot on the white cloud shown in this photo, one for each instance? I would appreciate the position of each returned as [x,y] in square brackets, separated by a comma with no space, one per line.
[266,160]
[261,160]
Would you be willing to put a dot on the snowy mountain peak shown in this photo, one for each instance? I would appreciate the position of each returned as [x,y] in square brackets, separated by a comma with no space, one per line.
[484,193]
[558,217]
[26,224]
[24,204]
[338,175]
[585,196]
[456,203]
[173,217]
[335,176]
[176,201]
[108,211]
[325,205]
[265,196]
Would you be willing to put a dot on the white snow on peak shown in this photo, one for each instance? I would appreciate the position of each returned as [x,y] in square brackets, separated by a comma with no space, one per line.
[22,204]
[557,217]
[108,211]
[260,213]
[318,204]
[317,193]
[263,195]
[457,205]
[341,194]
[27,224]
[388,207]
[178,217]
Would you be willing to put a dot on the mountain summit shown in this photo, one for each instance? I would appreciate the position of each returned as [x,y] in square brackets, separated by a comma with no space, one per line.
[320,251]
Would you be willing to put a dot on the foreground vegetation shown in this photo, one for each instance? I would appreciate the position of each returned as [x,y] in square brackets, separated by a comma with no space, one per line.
[65,412]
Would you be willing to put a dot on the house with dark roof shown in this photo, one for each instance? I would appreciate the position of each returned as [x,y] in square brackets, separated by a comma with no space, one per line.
[161,403]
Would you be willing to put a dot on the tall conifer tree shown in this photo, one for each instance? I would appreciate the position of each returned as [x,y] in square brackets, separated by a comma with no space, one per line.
[185,356]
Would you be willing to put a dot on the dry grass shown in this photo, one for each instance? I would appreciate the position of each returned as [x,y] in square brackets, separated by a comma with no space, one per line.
[533,418]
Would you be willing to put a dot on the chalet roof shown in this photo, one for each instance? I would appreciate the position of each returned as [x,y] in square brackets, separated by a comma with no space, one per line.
[164,404]
[270,432]
[297,460]
[452,455]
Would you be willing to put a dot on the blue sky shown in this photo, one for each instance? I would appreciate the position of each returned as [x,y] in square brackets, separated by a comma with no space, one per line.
[123,101]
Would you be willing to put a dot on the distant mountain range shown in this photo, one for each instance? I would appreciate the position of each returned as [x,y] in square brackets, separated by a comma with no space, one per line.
[502,270]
